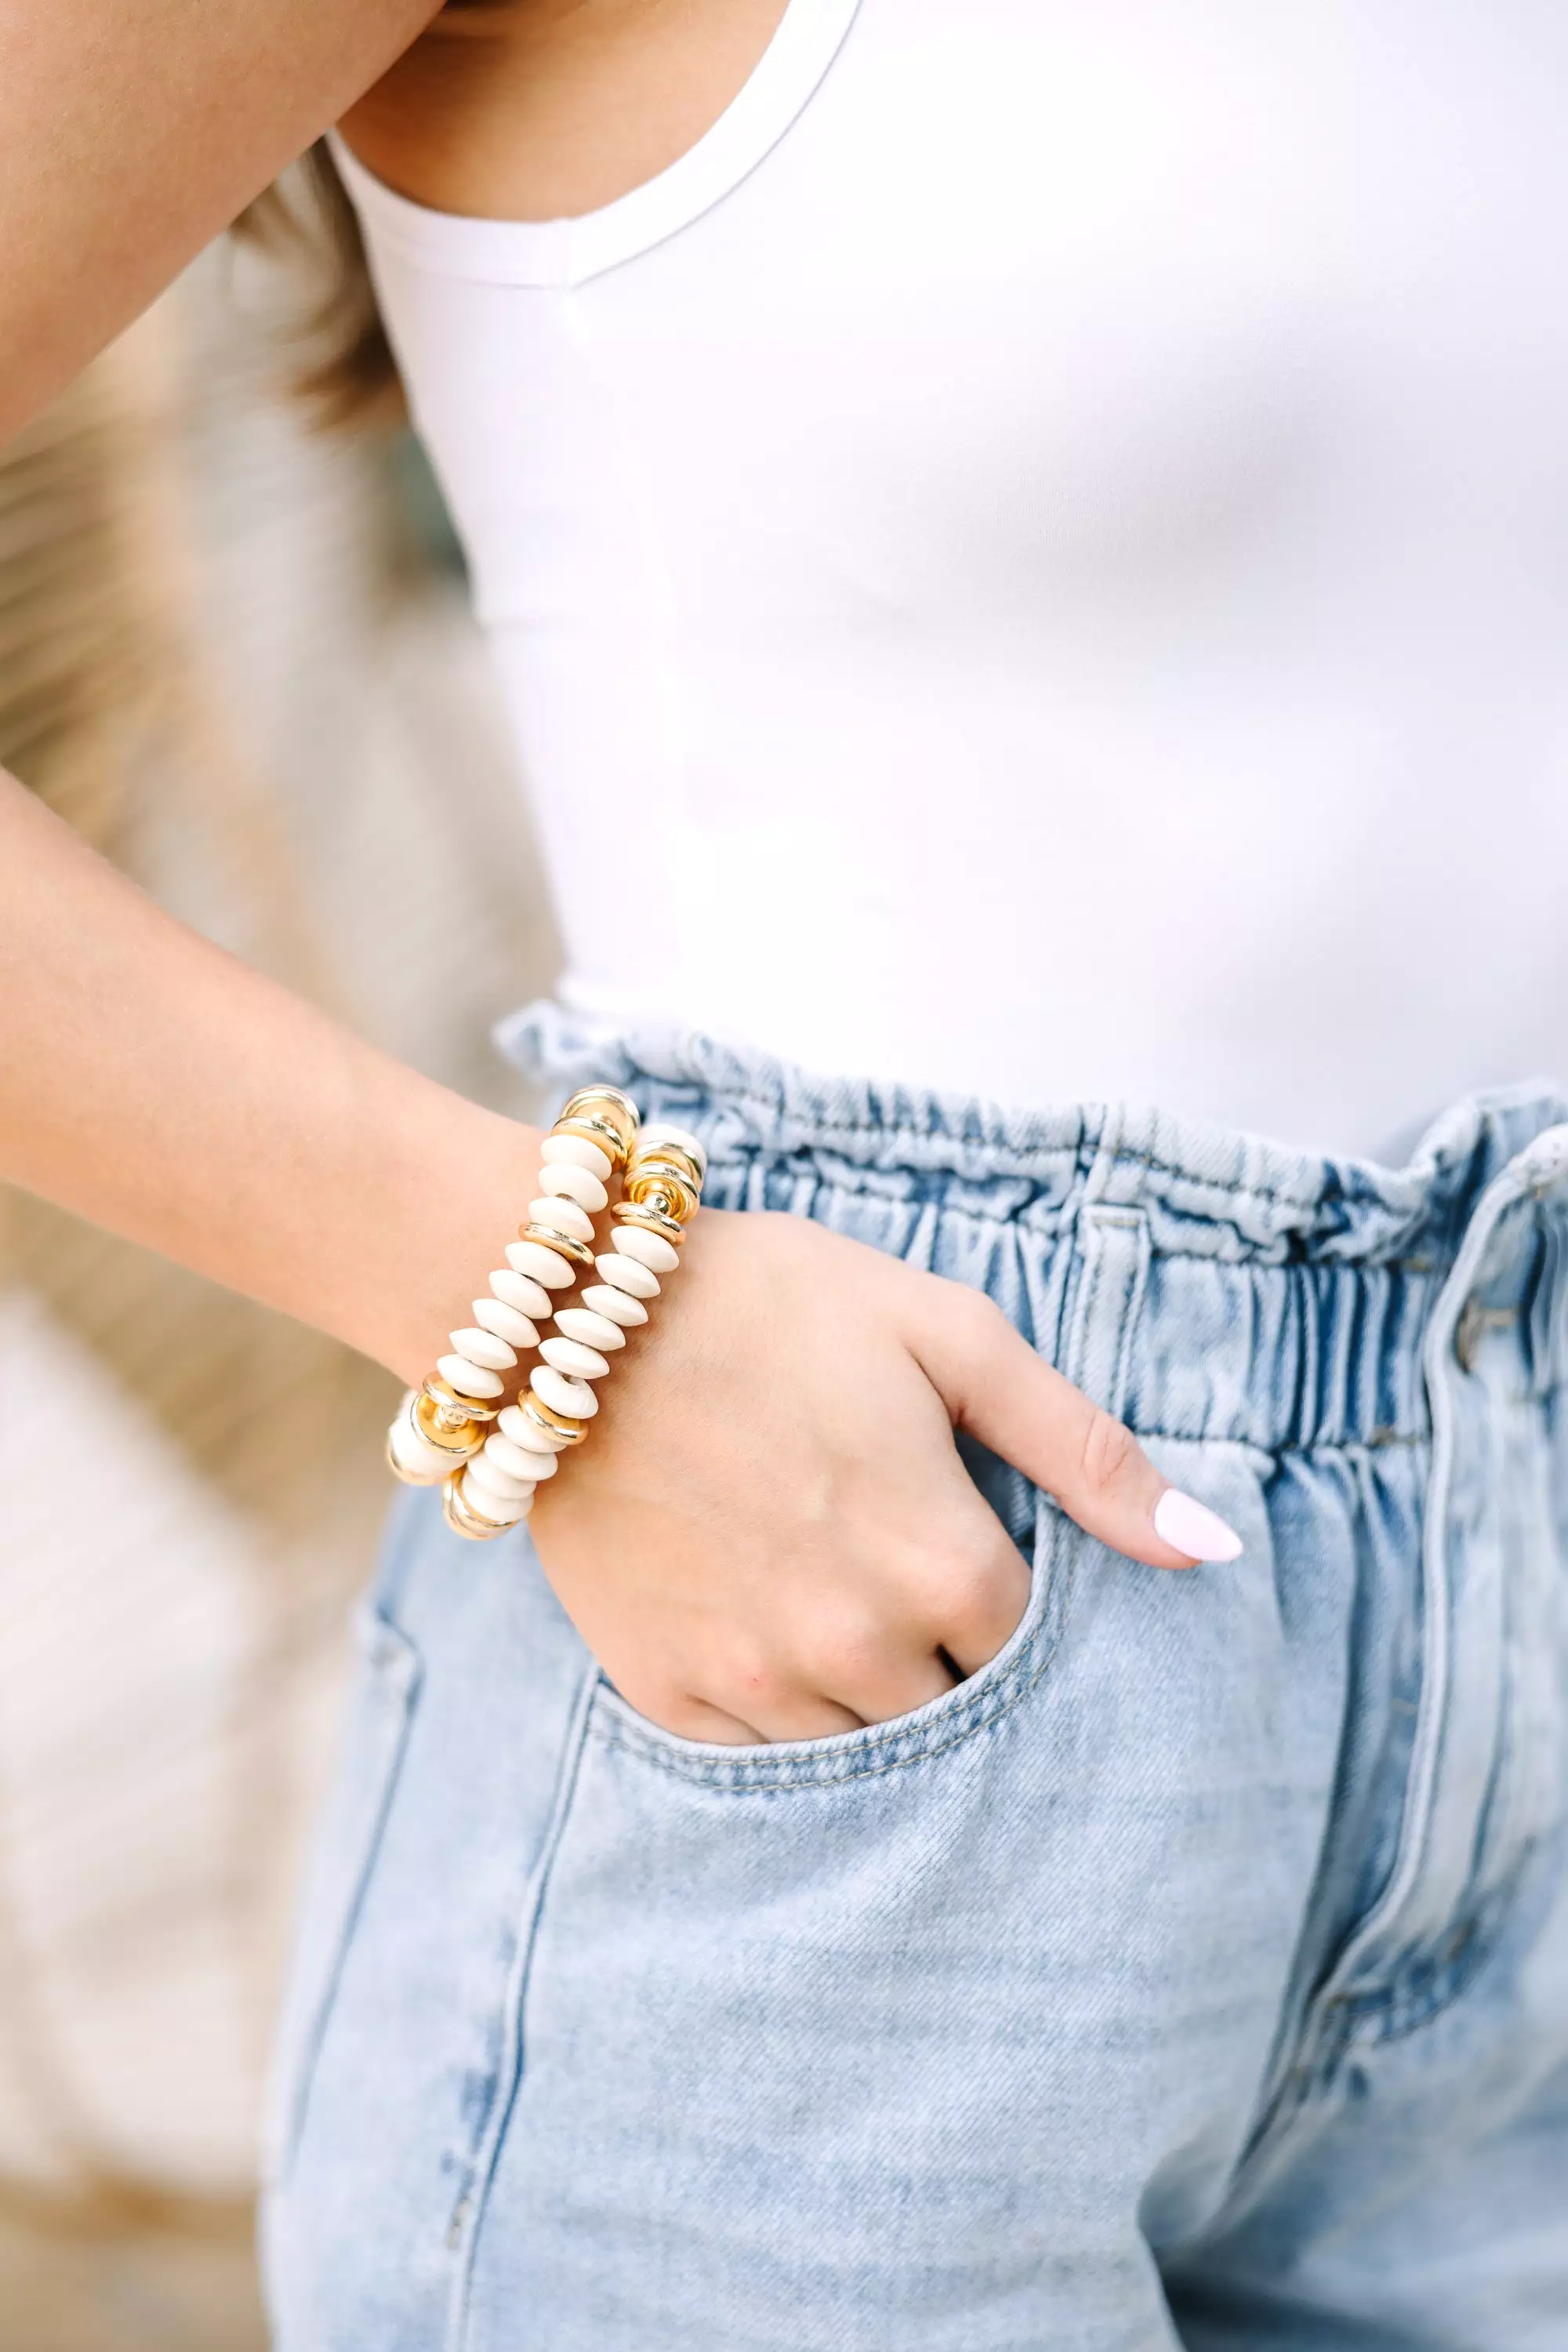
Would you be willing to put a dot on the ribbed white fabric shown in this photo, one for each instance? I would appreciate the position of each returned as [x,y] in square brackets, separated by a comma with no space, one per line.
[1035,559]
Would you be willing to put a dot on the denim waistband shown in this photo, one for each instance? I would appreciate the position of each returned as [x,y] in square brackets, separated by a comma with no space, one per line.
[1299,1286]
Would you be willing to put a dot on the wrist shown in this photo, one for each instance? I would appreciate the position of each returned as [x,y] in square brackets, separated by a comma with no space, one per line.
[442,1433]
[445,1200]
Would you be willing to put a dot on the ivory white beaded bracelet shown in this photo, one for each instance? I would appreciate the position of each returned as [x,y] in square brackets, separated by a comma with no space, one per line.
[442,1426]
[439,1436]
[661,1193]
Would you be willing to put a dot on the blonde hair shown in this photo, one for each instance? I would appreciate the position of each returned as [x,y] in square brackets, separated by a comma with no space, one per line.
[346,373]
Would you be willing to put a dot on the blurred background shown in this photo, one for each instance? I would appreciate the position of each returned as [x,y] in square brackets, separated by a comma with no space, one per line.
[235,652]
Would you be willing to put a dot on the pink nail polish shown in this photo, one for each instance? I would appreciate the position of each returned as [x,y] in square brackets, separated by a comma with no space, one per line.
[1189,1525]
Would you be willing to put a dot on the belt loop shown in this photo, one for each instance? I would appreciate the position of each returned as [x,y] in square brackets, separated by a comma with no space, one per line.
[1113,1252]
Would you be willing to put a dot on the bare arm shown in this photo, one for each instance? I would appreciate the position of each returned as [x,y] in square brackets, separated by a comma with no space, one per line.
[131,131]
[156,1085]
[162,1088]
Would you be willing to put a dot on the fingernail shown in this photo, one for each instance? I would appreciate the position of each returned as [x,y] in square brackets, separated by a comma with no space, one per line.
[1190,1527]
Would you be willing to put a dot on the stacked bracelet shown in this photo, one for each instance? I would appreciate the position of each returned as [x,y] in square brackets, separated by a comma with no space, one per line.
[441,1429]
[662,1194]
[440,1435]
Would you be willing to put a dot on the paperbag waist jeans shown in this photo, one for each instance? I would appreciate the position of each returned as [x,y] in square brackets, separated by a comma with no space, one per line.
[1195,1974]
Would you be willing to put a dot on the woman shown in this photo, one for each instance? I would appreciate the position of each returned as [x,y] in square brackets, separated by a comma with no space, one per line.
[1025,547]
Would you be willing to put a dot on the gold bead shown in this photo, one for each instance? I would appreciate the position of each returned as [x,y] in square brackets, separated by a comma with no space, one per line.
[652,1219]
[562,1426]
[564,1244]
[435,1420]
[472,1500]
[462,1520]
[610,1103]
[609,1138]
[455,1407]
[666,1158]
[602,1115]
[663,1186]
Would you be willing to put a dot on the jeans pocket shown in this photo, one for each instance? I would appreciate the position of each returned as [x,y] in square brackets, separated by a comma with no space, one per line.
[344,1858]
[1113,1253]
[877,1748]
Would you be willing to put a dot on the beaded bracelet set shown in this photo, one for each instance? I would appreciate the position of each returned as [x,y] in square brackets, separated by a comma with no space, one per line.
[441,1436]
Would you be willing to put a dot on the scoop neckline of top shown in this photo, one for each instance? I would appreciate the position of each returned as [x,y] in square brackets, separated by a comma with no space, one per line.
[581,245]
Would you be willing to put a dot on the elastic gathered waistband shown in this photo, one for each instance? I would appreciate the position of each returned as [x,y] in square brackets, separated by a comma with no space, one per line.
[1205,1189]
[1243,1293]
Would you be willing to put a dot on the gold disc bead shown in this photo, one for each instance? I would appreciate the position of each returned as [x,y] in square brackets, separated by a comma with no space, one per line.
[560,1428]
[651,1153]
[659,1141]
[663,1201]
[457,1432]
[457,1406]
[461,1519]
[602,1115]
[611,1103]
[664,1186]
[565,1245]
[599,1131]
[651,1219]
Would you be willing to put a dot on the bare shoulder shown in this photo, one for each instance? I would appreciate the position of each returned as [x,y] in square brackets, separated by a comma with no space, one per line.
[531,110]
[131,136]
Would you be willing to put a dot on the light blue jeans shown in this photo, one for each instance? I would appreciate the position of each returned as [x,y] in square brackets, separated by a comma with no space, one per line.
[1197,1974]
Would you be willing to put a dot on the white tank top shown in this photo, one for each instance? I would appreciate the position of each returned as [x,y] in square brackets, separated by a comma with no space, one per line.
[1034,559]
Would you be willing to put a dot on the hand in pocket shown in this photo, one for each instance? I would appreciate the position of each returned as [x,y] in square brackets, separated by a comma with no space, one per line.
[770,1535]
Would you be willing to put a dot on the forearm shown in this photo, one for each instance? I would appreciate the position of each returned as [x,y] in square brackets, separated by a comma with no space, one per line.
[161,1088]
[132,130]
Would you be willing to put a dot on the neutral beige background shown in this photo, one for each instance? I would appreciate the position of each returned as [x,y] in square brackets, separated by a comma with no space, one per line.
[228,652]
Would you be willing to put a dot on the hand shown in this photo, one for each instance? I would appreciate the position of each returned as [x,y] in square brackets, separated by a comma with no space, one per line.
[769,1534]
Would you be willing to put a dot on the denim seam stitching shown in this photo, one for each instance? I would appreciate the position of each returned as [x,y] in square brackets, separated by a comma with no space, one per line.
[1069,1155]
[403,1694]
[1328,2027]
[1092,1260]
[1066,1212]
[1379,2019]
[1374,1441]
[897,1132]
[478,2180]
[1050,1155]
[996,1703]
[1417,1266]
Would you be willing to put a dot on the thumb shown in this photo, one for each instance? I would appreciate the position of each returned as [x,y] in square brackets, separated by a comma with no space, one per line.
[996,1386]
